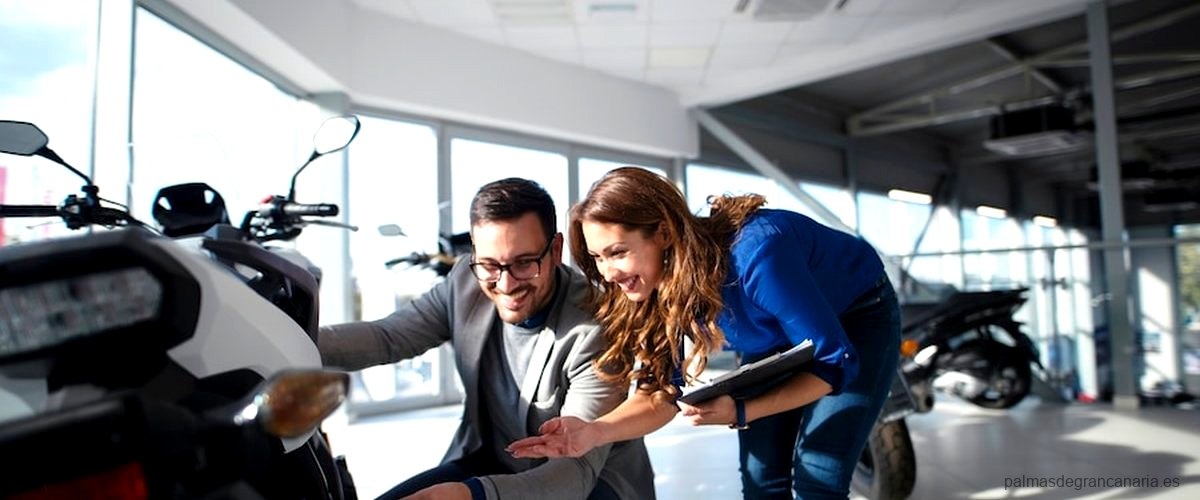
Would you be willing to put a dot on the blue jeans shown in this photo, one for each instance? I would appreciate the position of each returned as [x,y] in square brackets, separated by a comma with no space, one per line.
[811,451]
[463,469]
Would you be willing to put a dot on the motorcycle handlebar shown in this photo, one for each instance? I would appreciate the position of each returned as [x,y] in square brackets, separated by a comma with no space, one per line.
[29,211]
[315,209]
[73,213]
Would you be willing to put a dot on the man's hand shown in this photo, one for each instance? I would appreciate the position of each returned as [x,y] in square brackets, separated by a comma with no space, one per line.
[451,491]
[560,437]
[719,410]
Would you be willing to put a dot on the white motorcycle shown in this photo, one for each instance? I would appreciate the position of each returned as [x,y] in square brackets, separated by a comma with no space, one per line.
[140,367]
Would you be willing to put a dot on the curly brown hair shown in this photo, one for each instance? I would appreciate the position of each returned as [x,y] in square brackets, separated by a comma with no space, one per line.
[686,302]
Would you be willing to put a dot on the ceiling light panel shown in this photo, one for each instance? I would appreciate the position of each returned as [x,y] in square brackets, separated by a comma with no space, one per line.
[692,10]
[611,11]
[991,212]
[453,12]
[533,11]
[399,10]
[668,57]
[791,10]
[910,196]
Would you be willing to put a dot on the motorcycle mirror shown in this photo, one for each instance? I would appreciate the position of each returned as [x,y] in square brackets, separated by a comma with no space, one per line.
[26,139]
[294,402]
[21,138]
[333,135]
[391,230]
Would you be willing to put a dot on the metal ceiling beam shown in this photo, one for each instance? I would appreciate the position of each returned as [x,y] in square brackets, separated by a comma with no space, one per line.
[1161,57]
[855,122]
[891,124]
[1037,74]
[1125,139]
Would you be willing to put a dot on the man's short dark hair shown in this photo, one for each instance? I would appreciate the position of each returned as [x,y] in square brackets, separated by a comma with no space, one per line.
[509,199]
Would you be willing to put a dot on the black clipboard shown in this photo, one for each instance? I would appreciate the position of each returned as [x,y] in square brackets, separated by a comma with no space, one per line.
[751,374]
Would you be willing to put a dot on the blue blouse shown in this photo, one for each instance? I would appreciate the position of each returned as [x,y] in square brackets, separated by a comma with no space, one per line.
[791,277]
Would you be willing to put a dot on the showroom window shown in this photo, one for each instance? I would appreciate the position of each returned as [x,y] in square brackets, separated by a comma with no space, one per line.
[705,180]
[199,116]
[592,169]
[48,63]
[392,179]
[475,163]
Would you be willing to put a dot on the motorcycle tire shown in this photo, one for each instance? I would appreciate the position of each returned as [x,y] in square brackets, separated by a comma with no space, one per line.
[887,468]
[1015,379]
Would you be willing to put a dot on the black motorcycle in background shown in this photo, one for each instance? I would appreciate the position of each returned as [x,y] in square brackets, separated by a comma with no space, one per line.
[970,346]
[967,344]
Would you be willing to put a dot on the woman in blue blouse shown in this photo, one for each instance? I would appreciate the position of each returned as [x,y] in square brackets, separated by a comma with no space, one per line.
[754,280]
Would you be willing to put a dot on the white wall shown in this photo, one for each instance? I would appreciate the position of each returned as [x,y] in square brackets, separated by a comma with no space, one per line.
[397,65]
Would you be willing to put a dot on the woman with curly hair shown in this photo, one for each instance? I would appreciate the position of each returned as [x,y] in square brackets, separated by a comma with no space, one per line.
[755,280]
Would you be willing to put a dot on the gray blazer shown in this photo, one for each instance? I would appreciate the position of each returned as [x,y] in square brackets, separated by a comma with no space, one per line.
[560,379]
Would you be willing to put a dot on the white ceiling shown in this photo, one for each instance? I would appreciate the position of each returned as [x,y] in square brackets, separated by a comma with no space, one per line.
[717,51]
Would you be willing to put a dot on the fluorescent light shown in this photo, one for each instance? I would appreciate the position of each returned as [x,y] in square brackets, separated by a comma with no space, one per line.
[679,57]
[992,212]
[910,197]
[1045,221]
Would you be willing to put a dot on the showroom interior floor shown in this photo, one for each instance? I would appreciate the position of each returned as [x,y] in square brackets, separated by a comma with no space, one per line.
[963,452]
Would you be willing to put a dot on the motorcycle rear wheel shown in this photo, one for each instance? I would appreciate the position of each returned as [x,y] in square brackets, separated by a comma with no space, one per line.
[887,469]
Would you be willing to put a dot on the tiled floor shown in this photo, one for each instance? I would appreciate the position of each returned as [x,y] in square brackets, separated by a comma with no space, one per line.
[963,452]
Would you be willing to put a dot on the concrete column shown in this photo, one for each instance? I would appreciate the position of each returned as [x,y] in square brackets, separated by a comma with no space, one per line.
[1108,159]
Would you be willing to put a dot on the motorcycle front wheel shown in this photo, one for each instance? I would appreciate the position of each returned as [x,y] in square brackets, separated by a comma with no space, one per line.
[887,469]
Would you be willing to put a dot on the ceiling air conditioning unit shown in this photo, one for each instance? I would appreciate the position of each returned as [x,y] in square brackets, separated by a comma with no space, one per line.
[787,10]
[1035,131]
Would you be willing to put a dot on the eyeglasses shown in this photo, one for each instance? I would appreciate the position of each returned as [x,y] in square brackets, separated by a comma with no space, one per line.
[522,269]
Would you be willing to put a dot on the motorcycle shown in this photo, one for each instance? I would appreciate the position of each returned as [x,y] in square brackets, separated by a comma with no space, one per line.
[970,346]
[450,248]
[134,364]
[967,345]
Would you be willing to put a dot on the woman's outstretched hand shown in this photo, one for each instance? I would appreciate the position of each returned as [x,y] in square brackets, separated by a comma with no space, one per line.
[560,437]
[719,410]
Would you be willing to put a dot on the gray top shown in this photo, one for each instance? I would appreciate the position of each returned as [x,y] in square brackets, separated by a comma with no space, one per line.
[559,380]
[505,363]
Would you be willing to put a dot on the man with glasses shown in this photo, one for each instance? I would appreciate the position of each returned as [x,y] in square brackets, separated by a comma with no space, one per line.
[524,355]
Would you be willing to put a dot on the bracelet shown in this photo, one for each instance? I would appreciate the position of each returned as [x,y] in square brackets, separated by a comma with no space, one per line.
[740,406]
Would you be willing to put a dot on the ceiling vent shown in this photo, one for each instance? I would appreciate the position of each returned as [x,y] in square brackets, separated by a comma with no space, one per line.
[789,10]
[1036,131]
